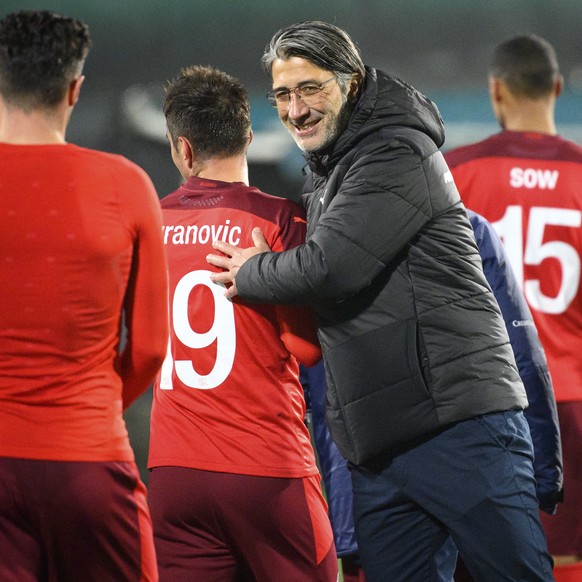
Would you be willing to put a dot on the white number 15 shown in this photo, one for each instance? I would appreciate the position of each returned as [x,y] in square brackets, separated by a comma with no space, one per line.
[510,229]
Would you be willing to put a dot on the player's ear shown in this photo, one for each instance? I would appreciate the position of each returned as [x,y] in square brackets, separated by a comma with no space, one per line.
[186,151]
[74,90]
[559,86]
[495,89]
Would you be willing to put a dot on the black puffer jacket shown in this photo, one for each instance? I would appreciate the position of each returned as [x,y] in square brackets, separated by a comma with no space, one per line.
[412,336]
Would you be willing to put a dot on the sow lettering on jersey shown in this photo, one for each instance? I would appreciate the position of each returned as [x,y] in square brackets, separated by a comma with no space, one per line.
[222,331]
[533,249]
[201,234]
[533,178]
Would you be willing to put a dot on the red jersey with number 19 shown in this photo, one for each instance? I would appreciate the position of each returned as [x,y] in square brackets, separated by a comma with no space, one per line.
[228,397]
[529,186]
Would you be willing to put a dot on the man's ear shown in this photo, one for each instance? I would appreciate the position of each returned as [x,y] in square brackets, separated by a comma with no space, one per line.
[185,151]
[354,87]
[75,89]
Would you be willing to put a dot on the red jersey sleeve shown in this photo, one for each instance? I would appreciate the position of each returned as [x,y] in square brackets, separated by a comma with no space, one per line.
[298,333]
[145,304]
[297,324]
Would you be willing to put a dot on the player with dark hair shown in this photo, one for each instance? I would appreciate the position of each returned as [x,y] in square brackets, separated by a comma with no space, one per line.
[526,181]
[234,489]
[82,253]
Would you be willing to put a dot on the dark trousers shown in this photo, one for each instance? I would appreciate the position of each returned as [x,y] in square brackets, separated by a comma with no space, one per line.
[473,484]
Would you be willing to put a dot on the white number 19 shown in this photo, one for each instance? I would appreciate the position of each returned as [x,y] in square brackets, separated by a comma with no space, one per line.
[222,330]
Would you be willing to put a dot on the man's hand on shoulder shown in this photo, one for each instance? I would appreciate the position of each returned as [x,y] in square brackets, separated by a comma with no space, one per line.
[233,259]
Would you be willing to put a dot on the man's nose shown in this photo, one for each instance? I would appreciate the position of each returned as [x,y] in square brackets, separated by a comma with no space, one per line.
[297,107]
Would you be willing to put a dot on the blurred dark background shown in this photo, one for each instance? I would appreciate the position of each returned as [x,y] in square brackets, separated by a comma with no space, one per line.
[440,46]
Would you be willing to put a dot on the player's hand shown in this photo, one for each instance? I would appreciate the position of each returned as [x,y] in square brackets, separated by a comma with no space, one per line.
[233,259]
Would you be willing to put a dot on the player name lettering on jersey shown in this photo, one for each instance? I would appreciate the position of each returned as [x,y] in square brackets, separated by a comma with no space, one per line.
[201,234]
[533,178]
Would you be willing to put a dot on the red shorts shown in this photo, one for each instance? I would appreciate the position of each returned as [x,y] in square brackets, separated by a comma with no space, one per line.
[564,530]
[221,527]
[71,521]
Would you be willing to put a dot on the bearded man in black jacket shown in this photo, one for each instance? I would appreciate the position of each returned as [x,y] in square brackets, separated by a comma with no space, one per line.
[424,399]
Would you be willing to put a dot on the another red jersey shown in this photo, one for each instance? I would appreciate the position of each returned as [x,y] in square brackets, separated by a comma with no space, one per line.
[529,186]
[228,397]
[73,223]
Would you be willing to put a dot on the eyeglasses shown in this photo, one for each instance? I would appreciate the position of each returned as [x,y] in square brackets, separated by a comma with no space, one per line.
[304,92]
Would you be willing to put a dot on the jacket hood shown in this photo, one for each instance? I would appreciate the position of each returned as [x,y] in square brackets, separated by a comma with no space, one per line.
[385,101]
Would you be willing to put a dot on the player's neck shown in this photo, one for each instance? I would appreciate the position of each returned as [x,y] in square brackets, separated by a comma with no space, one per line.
[531,119]
[32,128]
[234,169]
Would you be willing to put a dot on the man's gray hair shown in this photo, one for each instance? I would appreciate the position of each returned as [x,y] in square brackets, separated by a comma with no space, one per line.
[322,44]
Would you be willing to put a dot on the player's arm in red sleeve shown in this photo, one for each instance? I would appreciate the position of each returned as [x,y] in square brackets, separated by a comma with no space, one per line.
[296,323]
[298,333]
[146,301]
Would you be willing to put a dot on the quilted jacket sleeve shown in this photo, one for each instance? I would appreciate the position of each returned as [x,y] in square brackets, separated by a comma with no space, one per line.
[382,203]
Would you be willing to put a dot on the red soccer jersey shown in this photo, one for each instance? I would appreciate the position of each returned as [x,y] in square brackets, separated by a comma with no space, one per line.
[73,222]
[228,397]
[529,186]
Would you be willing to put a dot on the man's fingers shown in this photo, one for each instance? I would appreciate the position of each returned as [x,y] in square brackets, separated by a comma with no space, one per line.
[231,292]
[259,240]
[232,259]
[223,277]
[224,247]
[218,261]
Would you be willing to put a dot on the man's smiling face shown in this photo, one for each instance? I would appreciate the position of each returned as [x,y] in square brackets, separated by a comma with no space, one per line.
[315,123]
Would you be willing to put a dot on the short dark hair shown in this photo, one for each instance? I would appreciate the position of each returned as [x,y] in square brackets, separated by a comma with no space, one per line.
[528,64]
[40,54]
[321,43]
[210,109]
